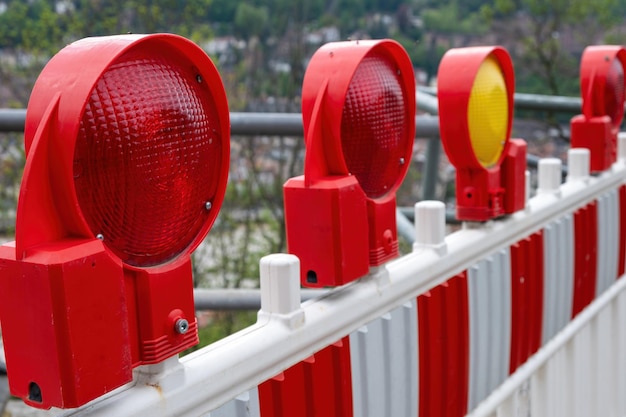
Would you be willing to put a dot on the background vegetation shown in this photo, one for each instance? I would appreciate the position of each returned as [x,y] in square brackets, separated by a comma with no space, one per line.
[261,48]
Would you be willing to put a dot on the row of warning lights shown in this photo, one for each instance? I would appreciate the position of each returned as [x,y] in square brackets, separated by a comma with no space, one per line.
[350,177]
[130,221]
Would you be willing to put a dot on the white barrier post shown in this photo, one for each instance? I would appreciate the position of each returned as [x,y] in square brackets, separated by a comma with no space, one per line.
[280,288]
[578,164]
[430,226]
[621,146]
[549,176]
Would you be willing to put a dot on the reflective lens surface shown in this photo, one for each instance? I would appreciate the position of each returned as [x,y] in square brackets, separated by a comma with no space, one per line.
[148,156]
[488,113]
[374,123]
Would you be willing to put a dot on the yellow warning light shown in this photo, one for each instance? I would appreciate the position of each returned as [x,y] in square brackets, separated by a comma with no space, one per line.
[488,113]
[475,91]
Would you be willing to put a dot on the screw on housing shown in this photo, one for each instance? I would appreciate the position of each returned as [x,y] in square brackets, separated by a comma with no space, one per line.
[181,326]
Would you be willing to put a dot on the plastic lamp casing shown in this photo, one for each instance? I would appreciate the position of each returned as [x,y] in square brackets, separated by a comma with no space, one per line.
[127,140]
[358,109]
[475,92]
[602,91]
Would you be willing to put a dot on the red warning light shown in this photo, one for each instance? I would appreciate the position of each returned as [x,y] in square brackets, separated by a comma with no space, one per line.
[475,91]
[358,108]
[127,141]
[603,91]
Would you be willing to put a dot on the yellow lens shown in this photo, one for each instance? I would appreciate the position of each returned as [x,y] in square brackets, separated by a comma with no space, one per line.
[488,113]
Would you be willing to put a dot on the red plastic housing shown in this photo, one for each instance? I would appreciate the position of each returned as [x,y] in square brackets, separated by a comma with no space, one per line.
[598,135]
[482,192]
[326,215]
[358,109]
[602,91]
[513,176]
[64,323]
[127,141]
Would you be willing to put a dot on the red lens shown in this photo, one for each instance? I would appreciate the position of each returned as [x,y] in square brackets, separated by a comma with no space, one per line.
[373,127]
[148,156]
[614,92]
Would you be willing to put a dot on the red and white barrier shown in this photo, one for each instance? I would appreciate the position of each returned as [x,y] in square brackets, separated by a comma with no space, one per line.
[461,325]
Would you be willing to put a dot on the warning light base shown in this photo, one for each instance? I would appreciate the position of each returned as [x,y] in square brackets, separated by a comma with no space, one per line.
[163,295]
[64,323]
[327,230]
[479,194]
[513,176]
[383,239]
[598,135]
[485,194]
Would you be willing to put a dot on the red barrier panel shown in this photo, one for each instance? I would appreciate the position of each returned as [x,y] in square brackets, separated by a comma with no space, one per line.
[318,386]
[443,324]
[585,256]
[622,231]
[526,298]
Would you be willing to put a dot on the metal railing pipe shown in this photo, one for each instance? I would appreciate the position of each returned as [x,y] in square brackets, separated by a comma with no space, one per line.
[12,120]
[242,123]
[547,103]
[540,102]
[239,298]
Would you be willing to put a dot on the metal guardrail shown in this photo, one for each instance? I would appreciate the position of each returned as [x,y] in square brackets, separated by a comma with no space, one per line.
[539,102]
[290,124]
[12,120]
[241,123]
[238,298]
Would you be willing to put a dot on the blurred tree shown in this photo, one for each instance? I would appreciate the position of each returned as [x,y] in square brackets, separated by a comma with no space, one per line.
[30,32]
[455,24]
[540,25]
[97,18]
[222,11]
[31,26]
[251,21]
[406,22]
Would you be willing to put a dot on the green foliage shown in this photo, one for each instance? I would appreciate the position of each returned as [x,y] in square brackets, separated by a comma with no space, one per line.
[251,223]
[35,26]
[451,19]
[222,11]
[604,12]
[31,27]
[11,167]
[250,20]
[419,52]
[537,26]
[222,324]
